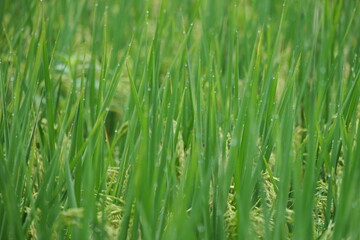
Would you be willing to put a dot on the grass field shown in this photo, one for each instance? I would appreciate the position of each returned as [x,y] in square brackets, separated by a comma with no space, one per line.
[180,119]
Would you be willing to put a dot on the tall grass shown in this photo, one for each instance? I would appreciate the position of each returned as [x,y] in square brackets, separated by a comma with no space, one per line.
[187,119]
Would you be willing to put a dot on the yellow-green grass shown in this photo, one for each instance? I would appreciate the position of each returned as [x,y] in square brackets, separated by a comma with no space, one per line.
[179,119]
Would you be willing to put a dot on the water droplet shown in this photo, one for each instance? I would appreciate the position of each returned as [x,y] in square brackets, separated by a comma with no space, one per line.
[149,89]
[116,130]
[107,109]
[233,142]
[201,228]
[322,70]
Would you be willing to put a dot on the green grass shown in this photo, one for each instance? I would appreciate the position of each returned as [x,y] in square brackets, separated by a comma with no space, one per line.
[179,119]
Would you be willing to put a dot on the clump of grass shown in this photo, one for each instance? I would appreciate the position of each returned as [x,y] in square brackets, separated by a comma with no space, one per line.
[231,119]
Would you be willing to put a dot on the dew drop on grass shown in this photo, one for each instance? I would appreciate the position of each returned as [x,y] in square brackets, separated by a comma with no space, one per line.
[233,142]
[201,228]
[322,70]
[116,131]
[107,109]
[149,89]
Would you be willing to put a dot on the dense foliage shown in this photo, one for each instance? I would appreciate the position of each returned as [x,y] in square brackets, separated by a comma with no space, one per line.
[179,119]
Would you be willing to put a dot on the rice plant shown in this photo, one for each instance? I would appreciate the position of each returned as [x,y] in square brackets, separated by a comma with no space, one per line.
[180,119]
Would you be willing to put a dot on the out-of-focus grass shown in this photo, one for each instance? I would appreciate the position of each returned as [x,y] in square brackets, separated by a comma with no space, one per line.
[180,119]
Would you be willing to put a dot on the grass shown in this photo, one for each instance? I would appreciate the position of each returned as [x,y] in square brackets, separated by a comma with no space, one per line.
[188,119]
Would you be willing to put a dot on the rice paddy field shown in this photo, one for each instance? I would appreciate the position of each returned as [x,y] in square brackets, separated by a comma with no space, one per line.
[180,119]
